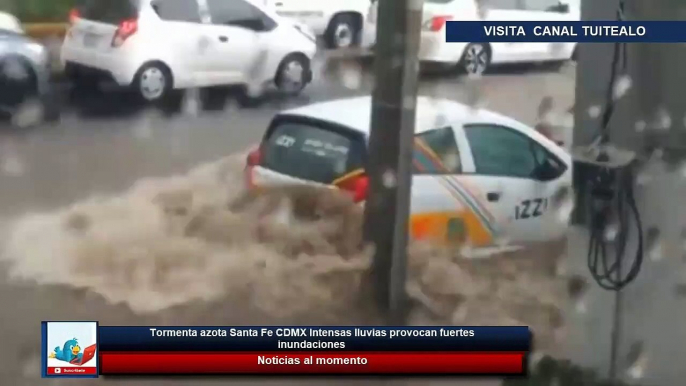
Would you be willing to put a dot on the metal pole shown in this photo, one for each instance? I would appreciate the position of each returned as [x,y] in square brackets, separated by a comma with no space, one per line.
[390,150]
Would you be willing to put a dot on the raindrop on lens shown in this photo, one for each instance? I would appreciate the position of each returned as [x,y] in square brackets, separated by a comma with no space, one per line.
[13,166]
[622,86]
[594,111]
[654,245]
[191,102]
[663,121]
[637,360]
[641,126]
[28,114]
[350,74]
[563,203]
[389,179]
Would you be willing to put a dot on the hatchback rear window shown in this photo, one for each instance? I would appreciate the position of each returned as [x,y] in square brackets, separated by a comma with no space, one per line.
[109,11]
[312,151]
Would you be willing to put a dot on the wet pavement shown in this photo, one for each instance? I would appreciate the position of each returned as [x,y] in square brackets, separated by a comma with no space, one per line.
[103,144]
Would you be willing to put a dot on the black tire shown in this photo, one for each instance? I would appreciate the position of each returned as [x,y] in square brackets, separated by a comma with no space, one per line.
[285,82]
[18,83]
[476,59]
[343,32]
[154,83]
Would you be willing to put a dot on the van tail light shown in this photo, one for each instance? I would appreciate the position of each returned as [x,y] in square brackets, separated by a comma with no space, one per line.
[436,23]
[125,30]
[254,159]
[74,15]
[358,186]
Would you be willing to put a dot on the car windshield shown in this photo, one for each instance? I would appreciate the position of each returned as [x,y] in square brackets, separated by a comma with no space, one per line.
[312,151]
[109,11]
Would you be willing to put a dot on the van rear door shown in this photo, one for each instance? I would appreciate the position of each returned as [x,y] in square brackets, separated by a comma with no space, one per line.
[298,149]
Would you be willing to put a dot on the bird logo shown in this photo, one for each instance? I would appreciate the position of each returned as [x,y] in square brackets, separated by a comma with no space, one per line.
[71,352]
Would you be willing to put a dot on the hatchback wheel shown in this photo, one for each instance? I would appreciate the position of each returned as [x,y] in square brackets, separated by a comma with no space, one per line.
[153,82]
[343,32]
[476,58]
[293,74]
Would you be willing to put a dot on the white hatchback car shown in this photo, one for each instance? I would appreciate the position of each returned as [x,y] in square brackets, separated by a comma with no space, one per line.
[160,45]
[479,177]
[476,58]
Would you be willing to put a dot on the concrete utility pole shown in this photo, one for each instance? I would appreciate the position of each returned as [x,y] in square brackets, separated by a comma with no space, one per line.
[390,149]
[649,120]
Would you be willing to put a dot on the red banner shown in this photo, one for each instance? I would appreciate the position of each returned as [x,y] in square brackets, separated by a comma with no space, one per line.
[458,363]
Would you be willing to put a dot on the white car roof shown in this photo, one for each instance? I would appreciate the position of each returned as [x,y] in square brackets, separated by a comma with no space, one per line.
[355,113]
[432,113]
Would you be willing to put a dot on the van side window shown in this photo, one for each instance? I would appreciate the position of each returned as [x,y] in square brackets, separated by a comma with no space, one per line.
[177,10]
[501,151]
[436,152]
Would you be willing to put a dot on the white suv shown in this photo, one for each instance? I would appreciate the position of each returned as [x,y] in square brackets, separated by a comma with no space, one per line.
[476,58]
[340,22]
[157,46]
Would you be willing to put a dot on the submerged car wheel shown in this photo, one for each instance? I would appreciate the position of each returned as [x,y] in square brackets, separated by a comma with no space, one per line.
[17,82]
[153,82]
[343,32]
[476,58]
[293,74]
[20,99]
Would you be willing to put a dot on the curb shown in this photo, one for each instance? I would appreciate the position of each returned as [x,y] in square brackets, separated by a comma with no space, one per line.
[45,30]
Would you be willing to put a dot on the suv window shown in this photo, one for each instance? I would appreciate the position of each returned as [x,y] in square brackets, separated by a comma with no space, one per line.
[436,152]
[504,4]
[501,151]
[312,151]
[109,11]
[239,13]
[177,10]
[543,5]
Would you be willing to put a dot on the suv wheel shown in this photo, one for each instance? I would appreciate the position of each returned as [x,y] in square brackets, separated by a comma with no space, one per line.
[476,58]
[343,32]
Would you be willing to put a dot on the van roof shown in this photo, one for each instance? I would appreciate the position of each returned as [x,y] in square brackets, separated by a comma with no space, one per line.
[355,113]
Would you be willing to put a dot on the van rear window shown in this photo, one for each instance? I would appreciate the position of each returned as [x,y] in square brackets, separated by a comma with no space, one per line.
[312,152]
[108,11]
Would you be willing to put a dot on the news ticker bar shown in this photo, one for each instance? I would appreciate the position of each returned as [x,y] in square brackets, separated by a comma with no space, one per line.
[265,339]
[313,363]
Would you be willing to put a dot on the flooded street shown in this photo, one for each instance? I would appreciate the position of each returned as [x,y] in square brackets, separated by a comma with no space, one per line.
[104,146]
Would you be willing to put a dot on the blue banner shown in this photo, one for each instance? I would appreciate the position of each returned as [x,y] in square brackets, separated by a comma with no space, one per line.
[314,338]
[565,32]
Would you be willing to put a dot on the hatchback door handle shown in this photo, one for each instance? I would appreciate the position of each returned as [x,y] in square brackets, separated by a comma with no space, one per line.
[493,196]
[223,39]
[278,4]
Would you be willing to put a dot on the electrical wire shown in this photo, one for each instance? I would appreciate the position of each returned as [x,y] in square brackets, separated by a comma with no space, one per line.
[612,193]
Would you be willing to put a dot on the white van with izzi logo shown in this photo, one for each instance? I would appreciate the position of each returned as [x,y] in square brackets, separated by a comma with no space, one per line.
[478,177]
[157,46]
[476,58]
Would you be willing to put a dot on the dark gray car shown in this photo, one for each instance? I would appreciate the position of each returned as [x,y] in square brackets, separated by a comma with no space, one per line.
[24,73]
